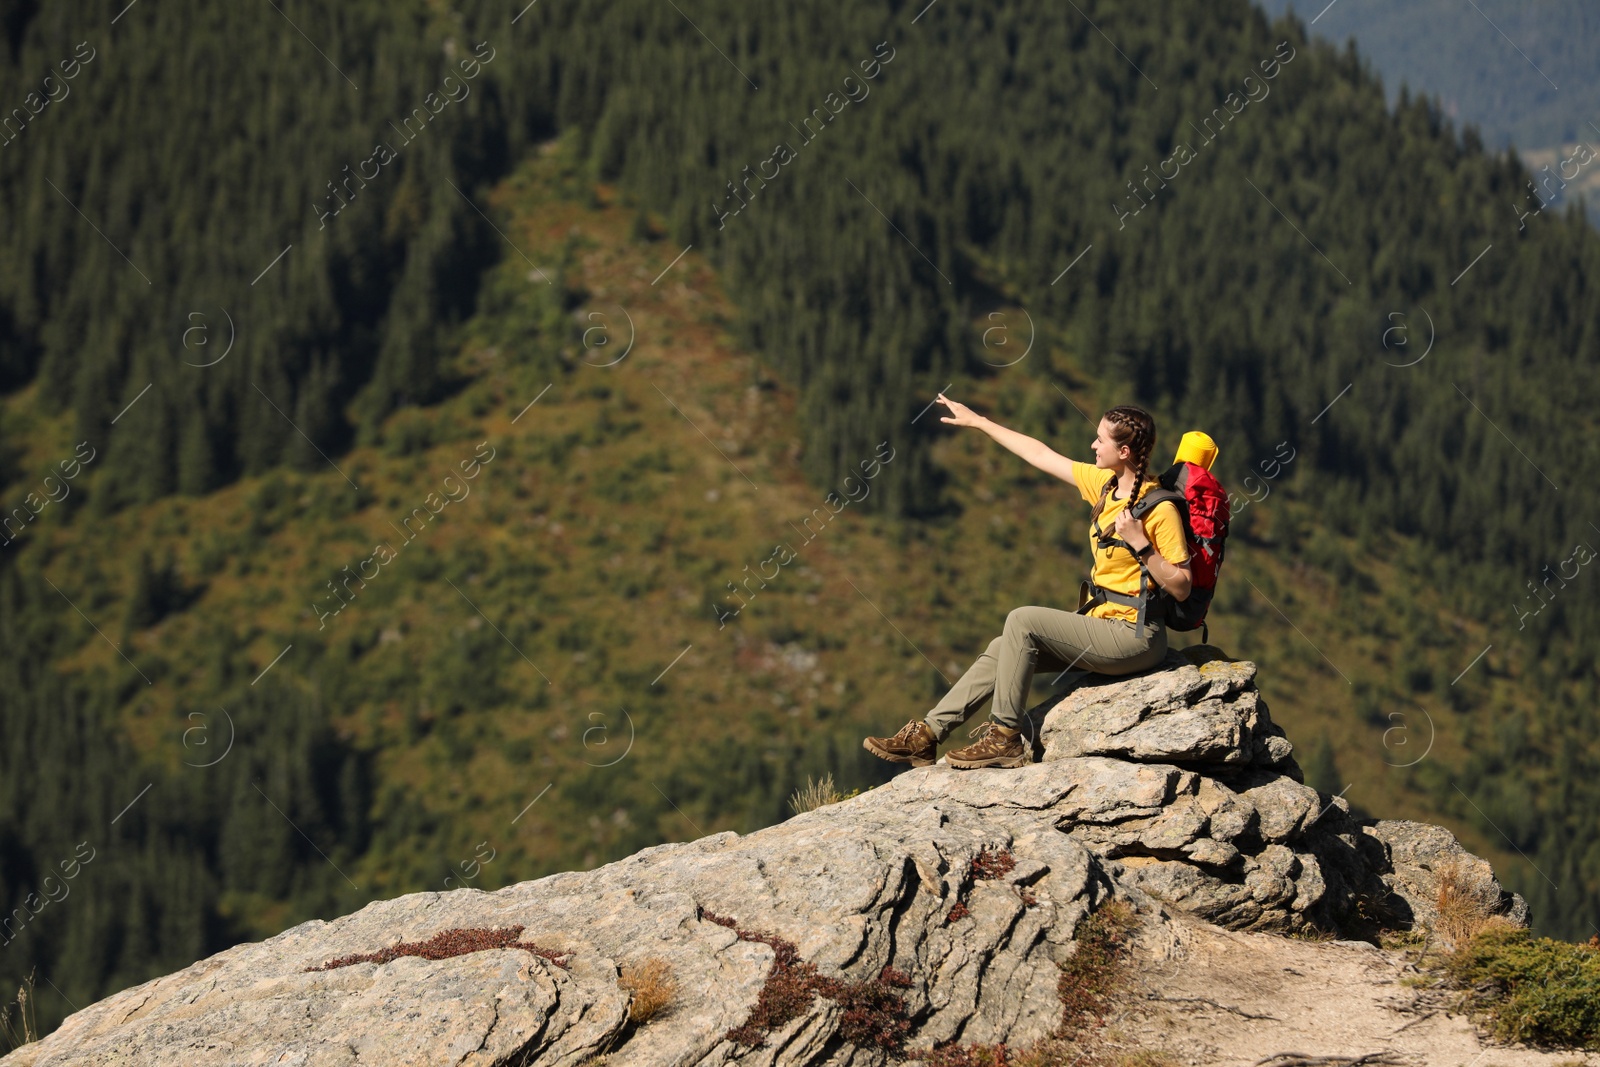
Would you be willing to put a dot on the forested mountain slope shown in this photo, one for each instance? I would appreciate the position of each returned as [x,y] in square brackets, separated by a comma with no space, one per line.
[1280,289]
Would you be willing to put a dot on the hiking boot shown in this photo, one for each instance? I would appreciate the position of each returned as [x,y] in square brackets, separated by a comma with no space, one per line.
[995,746]
[914,744]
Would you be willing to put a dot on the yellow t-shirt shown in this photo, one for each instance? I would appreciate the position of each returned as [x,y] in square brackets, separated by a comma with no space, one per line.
[1115,568]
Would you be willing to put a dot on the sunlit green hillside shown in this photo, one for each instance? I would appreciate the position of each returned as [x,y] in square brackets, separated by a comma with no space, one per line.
[538,507]
[552,672]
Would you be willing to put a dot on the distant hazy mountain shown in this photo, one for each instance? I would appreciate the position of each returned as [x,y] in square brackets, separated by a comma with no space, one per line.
[1524,72]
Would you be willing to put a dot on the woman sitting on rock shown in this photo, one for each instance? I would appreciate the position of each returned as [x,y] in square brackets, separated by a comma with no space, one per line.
[1102,636]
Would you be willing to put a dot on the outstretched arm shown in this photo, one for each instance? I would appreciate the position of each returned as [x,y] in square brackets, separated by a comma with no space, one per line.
[1031,449]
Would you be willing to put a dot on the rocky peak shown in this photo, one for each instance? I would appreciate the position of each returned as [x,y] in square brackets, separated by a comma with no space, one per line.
[1224,826]
[950,896]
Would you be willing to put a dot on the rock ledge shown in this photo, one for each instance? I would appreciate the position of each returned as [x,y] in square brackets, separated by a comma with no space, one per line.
[1173,790]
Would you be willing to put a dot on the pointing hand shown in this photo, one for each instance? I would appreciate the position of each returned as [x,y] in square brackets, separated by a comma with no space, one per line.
[960,414]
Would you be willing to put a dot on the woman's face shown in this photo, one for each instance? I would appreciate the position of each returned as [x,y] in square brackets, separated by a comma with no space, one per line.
[1107,453]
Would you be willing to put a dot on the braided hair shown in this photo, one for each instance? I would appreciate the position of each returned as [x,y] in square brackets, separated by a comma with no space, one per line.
[1136,428]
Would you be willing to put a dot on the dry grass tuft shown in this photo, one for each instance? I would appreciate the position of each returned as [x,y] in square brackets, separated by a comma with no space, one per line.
[818,793]
[24,1030]
[1147,1058]
[652,987]
[1467,903]
[1051,1052]
[1097,969]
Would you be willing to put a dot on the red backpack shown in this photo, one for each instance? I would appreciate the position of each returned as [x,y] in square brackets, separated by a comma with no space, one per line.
[1203,506]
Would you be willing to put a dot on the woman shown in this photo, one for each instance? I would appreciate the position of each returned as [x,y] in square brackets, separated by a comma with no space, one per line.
[1102,636]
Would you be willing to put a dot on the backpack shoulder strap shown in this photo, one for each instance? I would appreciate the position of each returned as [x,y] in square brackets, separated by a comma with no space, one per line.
[1139,510]
[1142,506]
[1105,494]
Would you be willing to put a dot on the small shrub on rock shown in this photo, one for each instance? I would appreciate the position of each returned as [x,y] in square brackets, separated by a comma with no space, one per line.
[1532,989]
[993,864]
[874,1015]
[448,943]
[1094,971]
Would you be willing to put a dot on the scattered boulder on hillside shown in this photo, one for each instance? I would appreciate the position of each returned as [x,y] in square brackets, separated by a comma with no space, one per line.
[935,907]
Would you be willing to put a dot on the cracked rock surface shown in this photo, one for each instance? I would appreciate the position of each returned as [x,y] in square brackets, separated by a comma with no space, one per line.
[1173,790]
[857,886]
[1235,836]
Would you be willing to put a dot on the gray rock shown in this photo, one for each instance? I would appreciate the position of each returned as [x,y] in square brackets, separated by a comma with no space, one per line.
[1186,886]
[1231,816]
[1309,886]
[857,886]
[1283,804]
[1211,853]
[1418,852]
[1272,749]
[1191,709]
[1278,861]
[1188,796]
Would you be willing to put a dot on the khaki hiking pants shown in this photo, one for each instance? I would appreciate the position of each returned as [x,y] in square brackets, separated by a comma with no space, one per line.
[1049,639]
